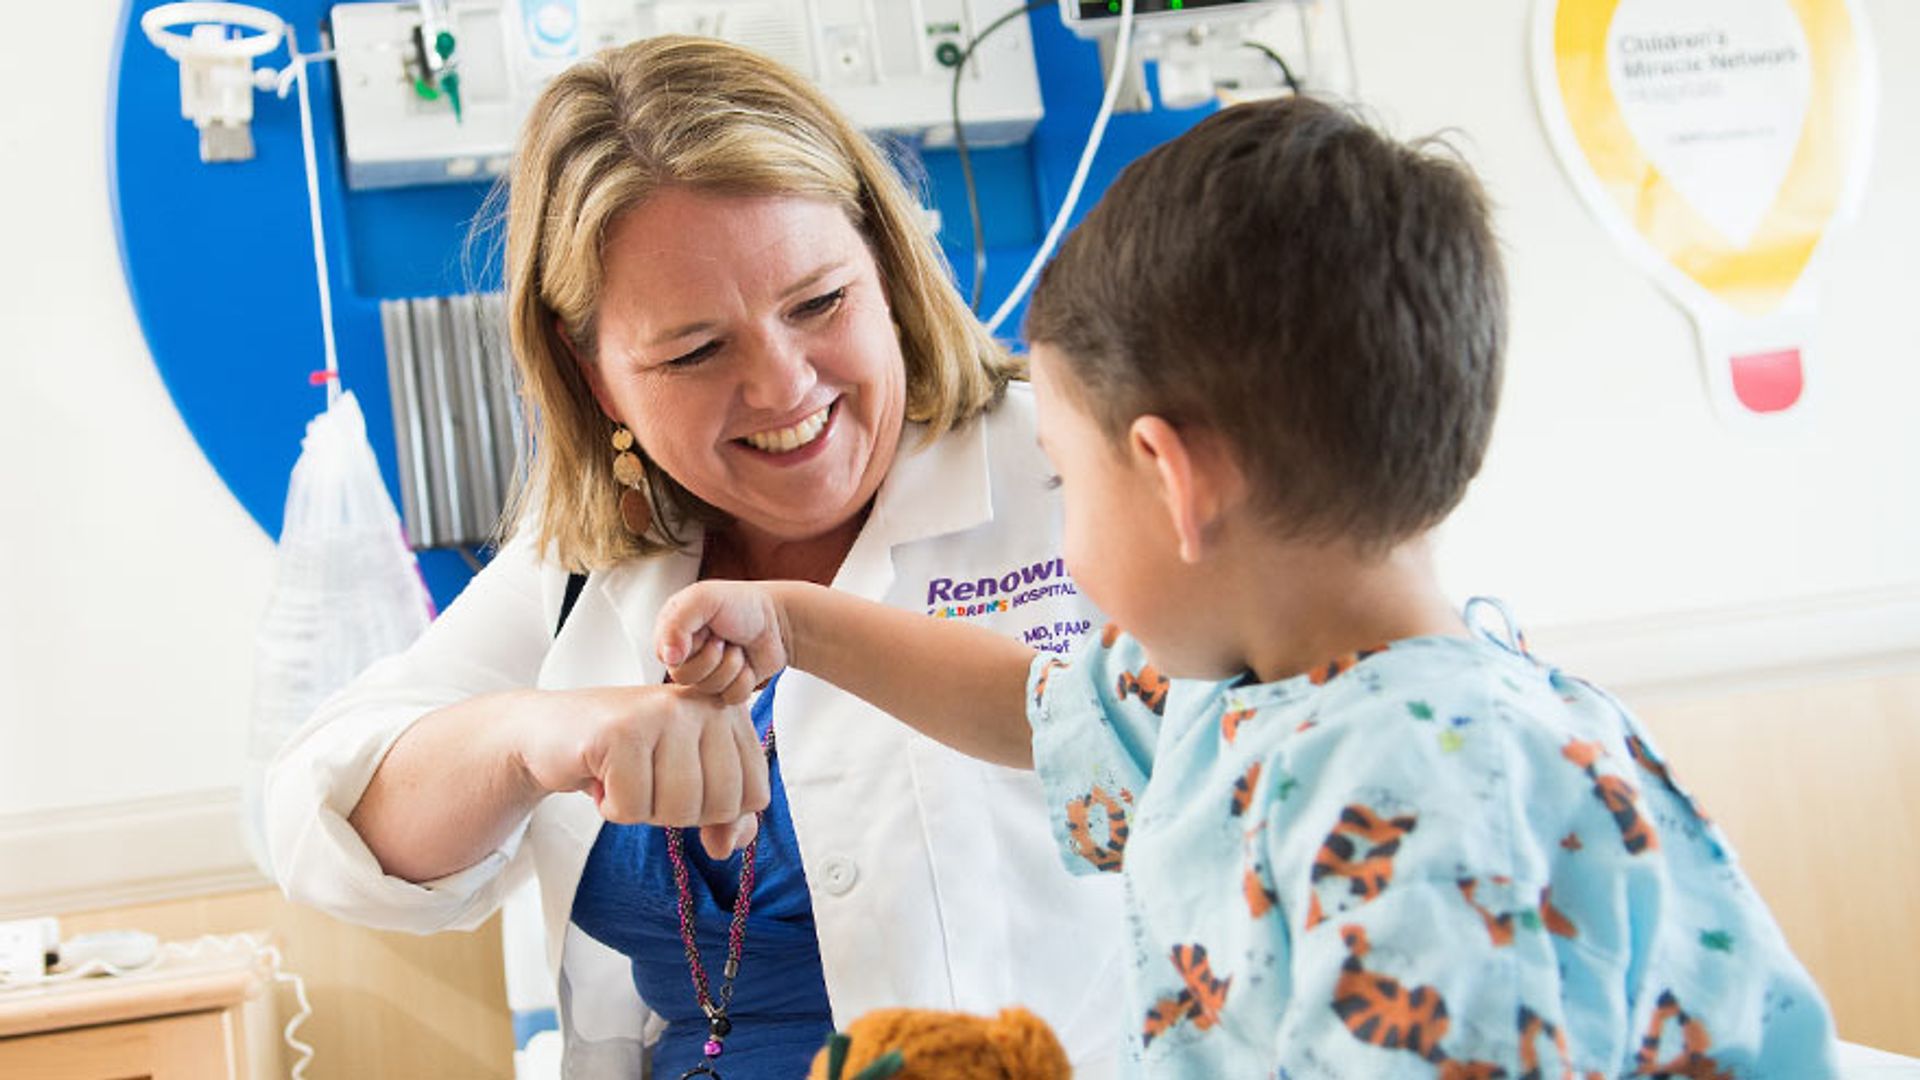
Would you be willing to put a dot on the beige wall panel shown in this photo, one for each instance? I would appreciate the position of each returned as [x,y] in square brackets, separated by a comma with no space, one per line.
[1816,788]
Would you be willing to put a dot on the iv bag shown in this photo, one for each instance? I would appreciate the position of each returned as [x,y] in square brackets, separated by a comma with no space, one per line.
[346,593]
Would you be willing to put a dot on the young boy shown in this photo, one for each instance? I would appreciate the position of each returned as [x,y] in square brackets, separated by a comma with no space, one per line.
[1359,838]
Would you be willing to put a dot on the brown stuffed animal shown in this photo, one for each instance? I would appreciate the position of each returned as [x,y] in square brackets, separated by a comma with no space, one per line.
[925,1044]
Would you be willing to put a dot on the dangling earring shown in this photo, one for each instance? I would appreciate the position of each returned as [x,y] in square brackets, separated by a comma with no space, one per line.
[635,510]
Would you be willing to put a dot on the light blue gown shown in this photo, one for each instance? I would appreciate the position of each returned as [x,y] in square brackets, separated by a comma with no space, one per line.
[1441,858]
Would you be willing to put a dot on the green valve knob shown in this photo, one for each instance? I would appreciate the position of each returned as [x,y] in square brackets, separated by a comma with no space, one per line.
[443,44]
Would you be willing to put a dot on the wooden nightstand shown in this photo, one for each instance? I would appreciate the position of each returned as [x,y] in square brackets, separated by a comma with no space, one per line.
[190,1018]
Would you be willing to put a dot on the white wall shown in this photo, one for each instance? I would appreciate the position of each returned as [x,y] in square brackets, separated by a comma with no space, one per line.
[1612,492]
[130,581]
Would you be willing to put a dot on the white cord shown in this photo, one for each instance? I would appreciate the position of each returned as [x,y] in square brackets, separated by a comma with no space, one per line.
[1353,61]
[1122,49]
[305,1050]
[271,954]
[297,72]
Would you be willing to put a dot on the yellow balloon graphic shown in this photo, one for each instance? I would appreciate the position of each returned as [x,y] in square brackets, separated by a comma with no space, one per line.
[1720,141]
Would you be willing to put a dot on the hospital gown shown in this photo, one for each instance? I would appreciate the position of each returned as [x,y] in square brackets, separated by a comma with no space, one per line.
[1440,858]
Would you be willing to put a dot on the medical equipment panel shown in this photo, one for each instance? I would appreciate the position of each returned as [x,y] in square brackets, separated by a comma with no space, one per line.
[1091,17]
[434,91]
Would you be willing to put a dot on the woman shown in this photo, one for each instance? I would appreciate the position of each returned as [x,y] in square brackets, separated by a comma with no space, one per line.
[741,357]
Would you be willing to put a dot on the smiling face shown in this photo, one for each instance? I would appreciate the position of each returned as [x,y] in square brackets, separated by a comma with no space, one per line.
[747,342]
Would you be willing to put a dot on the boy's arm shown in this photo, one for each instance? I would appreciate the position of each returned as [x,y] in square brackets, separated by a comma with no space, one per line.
[961,685]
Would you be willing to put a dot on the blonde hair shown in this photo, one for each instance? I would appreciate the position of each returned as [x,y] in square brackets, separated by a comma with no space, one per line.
[606,135]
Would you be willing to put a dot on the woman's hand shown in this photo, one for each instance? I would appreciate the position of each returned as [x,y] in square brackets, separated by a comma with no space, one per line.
[723,637]
[459,780]
[658,755]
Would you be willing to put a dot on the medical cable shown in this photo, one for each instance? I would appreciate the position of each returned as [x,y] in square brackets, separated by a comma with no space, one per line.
[1122,51]
[966,158]
[1286,72]
[1353,61]
[271,954]
[305,1050]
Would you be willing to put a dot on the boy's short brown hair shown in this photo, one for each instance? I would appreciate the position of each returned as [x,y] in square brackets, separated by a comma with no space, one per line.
[1327,299]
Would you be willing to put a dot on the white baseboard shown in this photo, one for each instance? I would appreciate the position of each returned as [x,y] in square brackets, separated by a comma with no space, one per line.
[1690,655]
[117,854]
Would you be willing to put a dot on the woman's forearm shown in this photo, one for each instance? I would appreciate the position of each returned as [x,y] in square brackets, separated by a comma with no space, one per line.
[451,789]
[457,783]
[961,685]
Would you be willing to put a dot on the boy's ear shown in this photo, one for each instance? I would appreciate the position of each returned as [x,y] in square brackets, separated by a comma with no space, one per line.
[1197,480]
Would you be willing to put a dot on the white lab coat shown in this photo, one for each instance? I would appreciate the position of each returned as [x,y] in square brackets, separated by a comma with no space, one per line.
[934,878]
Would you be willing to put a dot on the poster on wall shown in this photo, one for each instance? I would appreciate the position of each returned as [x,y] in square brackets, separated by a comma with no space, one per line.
[1721,143]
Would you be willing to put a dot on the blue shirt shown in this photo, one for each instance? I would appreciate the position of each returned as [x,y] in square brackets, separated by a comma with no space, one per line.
[1436,859]
[627,901]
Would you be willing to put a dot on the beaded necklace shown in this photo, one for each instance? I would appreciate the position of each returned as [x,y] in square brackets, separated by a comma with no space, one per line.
[719,1026]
